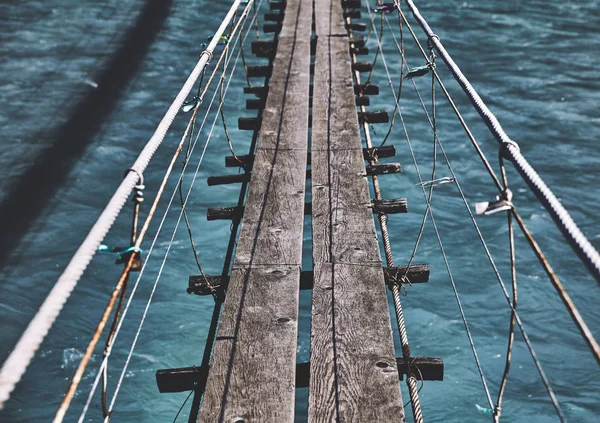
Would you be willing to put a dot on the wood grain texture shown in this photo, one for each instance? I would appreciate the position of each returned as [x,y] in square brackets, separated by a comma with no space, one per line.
[353,372]
[252,376]
[343,230]
[273,220]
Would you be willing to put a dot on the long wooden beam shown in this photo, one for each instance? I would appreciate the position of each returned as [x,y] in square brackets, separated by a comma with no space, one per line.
[354,374]
[252,376]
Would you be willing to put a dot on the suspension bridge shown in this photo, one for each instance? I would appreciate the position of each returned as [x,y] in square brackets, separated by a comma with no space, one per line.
[312,153]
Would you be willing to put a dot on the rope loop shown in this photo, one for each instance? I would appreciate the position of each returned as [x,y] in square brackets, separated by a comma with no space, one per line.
[140,177]
[430,44]
[504,146]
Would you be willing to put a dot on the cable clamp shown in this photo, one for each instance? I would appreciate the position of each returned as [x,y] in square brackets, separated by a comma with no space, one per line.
[436,182]
[206,52]
[139,193]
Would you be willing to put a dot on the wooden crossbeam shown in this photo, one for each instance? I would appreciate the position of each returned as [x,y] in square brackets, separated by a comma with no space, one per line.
[382,153]
[194,378]
[418,273]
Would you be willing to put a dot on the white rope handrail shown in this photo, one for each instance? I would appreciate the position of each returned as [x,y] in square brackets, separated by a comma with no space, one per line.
[16,364]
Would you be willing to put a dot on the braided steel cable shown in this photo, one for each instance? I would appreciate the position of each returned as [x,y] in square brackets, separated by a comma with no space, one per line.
[411,380]
[471,342]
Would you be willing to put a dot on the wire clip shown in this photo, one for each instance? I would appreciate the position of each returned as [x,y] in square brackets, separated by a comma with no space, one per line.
[190,104]
[387,8]
[436,182]
[419,71]
[124,253]
[503,203]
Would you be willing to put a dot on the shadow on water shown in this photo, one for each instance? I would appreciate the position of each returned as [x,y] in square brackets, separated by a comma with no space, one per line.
[38,184]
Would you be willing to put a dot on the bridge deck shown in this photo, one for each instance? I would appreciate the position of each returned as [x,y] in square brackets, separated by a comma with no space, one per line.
[252,377]
[353,370]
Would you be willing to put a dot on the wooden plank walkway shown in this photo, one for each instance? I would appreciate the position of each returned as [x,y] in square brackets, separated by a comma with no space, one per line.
[252,378]
[354,377]
[353,370]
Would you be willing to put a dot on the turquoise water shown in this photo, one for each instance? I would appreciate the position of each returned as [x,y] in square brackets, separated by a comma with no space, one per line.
[534,62]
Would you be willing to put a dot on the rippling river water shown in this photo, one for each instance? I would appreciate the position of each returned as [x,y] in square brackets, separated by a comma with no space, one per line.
[83,85]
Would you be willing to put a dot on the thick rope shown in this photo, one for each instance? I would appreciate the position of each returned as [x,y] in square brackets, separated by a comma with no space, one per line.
[576,239]
[558,286]
[16,364]
[104,363]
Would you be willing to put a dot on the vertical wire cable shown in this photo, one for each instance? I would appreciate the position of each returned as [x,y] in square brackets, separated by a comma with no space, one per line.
[532,243]
[471,342]
[411,380]
[513,271]
[103,364]
[563,220]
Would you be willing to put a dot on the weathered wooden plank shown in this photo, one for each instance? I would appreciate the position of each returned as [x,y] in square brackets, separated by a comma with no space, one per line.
[259,71]
[228,179]
[397,205]
[260,92]
[417,273]
[190,378]
[423,368]
[181,379]
[323,388]
[362,66]
[343,227]
[252,376]
[354,376]
[370,89]
[275,17]
[274,213]
[383,169]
